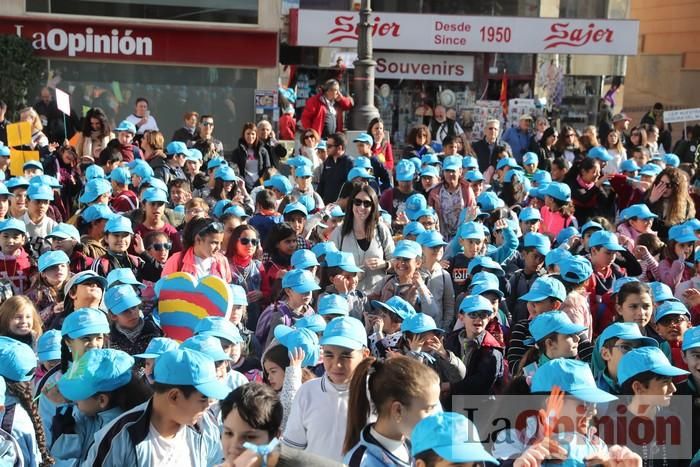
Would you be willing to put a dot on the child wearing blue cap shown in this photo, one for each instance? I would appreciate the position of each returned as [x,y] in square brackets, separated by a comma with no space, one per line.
[318,418]
[535,247]
[129,330]
[634,304]
[157,347]
[66,238]
[437,279]
[47,288]
[265,216]
[19,414]
[671,321]
[102,386]
[402,391]
[280,245]
[174,423]
[340,276]
[296,214]
[157,216]
[16,265]
[123,199]
[680,248]
[38,223]
[387,338]
[408,281]
[118,236]
[558,210]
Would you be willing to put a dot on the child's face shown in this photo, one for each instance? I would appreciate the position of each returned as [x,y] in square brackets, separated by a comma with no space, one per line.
[236,432]
[533,260]
[237,312]
[658,393]
[118,242]
[303,183]
[247,243]
[419,408]
[160,248]
[530,168]
[672,327]
[475,323]
[692,359]
[209,245]
[127,319]
[11,241]
[345,280]
[187,410]
[684,249]
[434,253]
[471,247]
[612,356]
[288,246]
[564,346]
[87,294]
[601,257]
[530,226]
[155,210]
[296,300]
[56,275]
[32,172]
[19,200]
[4,205]
[340,362]
[21,323]
[179,196]
[80,345]
[38,208]
[229,226]
[405,267]
[65,244]
[275,375]
[124,138]
[637,308]
[641,225]
[543,306]
[148,366]
[92,405]
[297,221]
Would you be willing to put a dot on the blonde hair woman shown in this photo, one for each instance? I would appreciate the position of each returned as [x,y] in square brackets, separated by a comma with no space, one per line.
[39,139]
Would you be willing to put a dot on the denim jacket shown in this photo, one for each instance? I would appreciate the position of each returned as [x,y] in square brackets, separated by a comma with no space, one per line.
[71,449]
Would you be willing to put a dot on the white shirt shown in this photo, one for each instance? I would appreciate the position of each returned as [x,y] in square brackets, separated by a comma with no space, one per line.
[168,452]
[150,124]
[203,265]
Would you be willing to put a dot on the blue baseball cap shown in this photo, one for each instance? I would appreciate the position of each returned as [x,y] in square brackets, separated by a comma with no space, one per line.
[574,377]
[17,182]
[18,360]
[362,162]
[4,151]
[48,346]
[541,177]
[126,125]
[120,298]
[414,205]
[529,214]
[120,175]
[4,191]
[155,182]
[216,162]
[682,234]
[416,162]
[513,174]
[239,295]
[295,207]
[489,201]
[322,144]
[94,171]
[207,345]
[575,269]
[94,189]
[300,338]
[485,263]
[84,322]
[472,303]
[82,277]
[430,158]
[692,223]
[671,159]
[300,280]
[538,241]
[537,192]
[452,163]
[600,153]
[225,173]
[186,367]
[40,192]
[645,359]
[620,281]
[220,206]
[429,171]
[342,260]
[691,338]
[469,162]
[280,183]
[118,224]
[176,147]
[605,239]
[471,230]
[99,370]
[420,323]
[333,304]
[565,234]
[629,165]
[661,292]
[485,281]
[558,191]
[140,168]
[651,170]
[336,211]
[591,225]
[430,239]
[405,171]
[314,323]
[545,324]
[324,248]
[195,155]
[356,172]
[236,211]
[345,331]
[625,332]
[13,224]
[530,158]
[47,180]
[640,211]
[304,170]
[543,288]
[97,212]
[154,195]
[670,307]
[396,305]
[507,162]
[452,436]
[556,256]
[407,249]
[474,176]
[413,228]
[52,258]
[158,346]
[121,276]
[363,138]
[302,259]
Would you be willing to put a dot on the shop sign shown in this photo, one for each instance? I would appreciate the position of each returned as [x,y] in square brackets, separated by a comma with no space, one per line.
[424,67]
[145,43]
[403,31]
[683,115]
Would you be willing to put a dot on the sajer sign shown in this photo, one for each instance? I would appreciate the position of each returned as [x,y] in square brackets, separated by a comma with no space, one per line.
[402,31]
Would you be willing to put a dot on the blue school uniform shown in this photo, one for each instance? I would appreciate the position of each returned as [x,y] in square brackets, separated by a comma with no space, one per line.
[368,452]
[10,453]
[72,449]
[19,425]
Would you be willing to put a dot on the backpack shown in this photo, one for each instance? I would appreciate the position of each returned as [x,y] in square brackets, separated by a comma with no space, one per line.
[263,328]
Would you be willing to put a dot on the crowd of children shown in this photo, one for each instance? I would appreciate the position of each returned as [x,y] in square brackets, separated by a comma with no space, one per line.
[356,324]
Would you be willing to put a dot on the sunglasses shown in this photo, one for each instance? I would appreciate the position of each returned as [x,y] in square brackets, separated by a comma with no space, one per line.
[624,348]
[309,136]
[362,202]
[214,227]
[478,314]
[162,246]
[207,123]
[672,320]
[249,241]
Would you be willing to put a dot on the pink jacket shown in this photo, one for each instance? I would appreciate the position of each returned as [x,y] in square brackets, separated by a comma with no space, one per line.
[467,196]
[673,273]
[220,267]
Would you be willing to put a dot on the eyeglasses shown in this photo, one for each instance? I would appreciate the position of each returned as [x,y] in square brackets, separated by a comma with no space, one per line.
[214,227]
[362,202]
[167,246]
[624,348]
[674,320]
[310,136]
[207,123]
[249,241]
[478,314]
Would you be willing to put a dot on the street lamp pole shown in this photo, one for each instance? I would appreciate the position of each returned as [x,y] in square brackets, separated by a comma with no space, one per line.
[363,81]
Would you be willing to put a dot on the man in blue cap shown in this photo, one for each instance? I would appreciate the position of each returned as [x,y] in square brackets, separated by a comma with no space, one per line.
[175,154]
[39,224]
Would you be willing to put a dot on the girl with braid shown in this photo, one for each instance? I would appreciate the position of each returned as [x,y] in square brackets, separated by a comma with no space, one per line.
[20,416]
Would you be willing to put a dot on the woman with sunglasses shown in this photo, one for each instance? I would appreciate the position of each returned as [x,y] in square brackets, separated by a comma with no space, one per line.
[567,145]
[309,141]
[201,254]
[154,250]
[363,235]
[242,251]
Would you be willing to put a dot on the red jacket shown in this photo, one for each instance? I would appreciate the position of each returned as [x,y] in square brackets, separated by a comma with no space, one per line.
[315,113]
[126,201]
[384,154]
[288,127]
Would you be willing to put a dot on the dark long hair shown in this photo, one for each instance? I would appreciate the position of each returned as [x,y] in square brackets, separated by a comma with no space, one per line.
[373,218]
[133,393]
[278,233]
[250,126]
[218,191]
[99,114]
[23,392]
[193,227]
[233,240]
[373,122]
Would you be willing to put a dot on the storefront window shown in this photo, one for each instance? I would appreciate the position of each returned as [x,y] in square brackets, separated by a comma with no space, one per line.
[171,91]
[217,11]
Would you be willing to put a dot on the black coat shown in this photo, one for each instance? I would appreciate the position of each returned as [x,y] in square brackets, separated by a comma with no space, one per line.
[240,155]
[485,155]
